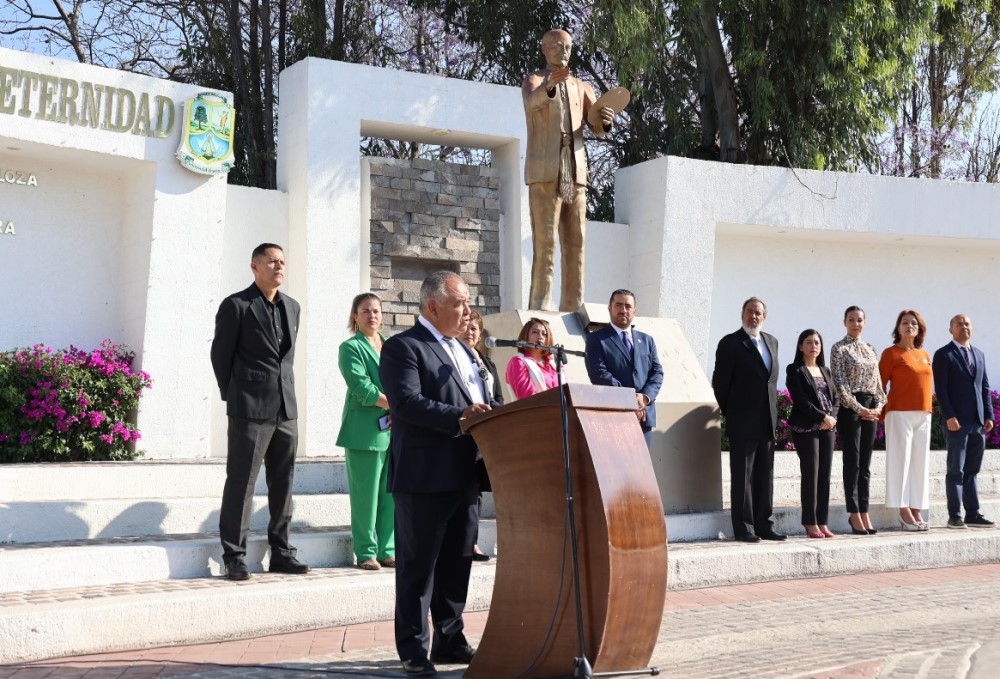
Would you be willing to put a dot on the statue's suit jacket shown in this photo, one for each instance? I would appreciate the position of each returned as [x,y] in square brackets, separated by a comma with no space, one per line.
[543,116]
[252,374]
[744,388]
[962,394]
[609,363]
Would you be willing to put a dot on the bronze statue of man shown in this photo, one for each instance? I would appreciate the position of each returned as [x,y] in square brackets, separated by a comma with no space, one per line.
[556,107]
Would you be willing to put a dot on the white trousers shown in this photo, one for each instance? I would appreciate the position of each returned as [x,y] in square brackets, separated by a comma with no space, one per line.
[907,459]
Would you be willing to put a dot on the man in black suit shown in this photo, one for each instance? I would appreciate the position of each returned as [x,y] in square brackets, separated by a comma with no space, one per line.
[252,355]
[431,382]
[745,384]
[963,391]
[620,356]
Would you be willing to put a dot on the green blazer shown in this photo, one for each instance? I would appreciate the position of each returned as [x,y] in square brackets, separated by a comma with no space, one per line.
[359,366]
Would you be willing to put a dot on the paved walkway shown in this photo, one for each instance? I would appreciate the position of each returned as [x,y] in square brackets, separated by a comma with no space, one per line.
[916,624]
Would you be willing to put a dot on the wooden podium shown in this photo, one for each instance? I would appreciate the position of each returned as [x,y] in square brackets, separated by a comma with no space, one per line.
[621,533]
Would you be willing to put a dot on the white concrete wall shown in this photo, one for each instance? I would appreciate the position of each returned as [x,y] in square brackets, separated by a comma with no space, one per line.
[810,244]
[145,250]
[66,256]
[253,216]
[319,166]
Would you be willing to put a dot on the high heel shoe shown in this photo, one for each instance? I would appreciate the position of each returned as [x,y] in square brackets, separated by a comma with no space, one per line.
[912,527]
[873,531]
[854,530]
[815,534]
[827,533]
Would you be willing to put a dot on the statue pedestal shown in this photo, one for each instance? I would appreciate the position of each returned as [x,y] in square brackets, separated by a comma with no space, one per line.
[686,448]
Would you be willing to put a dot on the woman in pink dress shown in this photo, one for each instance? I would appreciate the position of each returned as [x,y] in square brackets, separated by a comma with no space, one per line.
[532,370]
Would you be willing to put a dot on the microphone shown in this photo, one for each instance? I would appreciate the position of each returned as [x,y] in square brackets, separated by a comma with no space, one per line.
[493,342]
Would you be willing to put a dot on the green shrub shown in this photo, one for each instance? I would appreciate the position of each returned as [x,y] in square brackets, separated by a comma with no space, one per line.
[69,405]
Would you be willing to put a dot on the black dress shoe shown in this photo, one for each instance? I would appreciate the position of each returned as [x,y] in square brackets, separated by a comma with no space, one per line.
[237,570]
[772,535]
[459,655]
[978,521]
[747,537]
[479,556]
[419,667]
[288,565]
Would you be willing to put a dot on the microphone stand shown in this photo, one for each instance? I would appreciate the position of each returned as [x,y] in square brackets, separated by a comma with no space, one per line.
[581,666]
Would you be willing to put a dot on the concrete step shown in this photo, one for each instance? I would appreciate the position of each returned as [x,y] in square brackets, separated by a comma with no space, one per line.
[61,622]
[24,522]
[786,463]
[60,565]
[152,478]
[57,623]
[788,520]
[787,489]
[55,520]
[709,564]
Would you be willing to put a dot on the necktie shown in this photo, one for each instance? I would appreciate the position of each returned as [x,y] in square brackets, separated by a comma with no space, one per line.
[463,368]
[628,343]
[968,359]
[759,343]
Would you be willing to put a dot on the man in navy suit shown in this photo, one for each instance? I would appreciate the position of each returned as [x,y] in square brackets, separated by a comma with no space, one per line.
[431,381]
[963,391]
[621,356]
[745,384]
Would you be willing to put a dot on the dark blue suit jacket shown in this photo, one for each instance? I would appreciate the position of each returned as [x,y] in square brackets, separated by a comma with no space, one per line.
[609,363]
[426,394]
[961,393]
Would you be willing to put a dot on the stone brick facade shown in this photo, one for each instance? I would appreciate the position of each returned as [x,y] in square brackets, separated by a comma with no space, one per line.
[429,215]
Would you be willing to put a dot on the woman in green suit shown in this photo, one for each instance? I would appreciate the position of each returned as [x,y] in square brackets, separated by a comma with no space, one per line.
[364,434]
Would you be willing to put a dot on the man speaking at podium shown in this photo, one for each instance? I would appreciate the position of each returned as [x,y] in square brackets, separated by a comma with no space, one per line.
[431,382]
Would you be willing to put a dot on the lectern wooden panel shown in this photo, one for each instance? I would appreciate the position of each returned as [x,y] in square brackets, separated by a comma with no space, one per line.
[621,532]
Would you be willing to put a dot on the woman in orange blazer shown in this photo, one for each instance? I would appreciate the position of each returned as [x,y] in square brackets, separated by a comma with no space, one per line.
[907,374]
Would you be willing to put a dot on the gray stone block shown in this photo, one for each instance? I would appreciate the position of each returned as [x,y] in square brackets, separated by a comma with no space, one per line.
[428,186]
[429,241]
[448,211]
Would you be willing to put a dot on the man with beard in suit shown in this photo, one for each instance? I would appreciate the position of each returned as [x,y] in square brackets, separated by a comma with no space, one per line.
[621,356]
[745,384]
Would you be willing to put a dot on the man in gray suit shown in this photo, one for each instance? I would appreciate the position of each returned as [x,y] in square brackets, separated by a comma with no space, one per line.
[252,355]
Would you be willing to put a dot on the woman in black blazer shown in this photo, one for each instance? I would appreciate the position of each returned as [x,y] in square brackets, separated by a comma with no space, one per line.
[488,373]
[813,417]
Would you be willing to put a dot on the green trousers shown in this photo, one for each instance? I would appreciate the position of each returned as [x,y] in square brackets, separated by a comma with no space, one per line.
[373,512]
